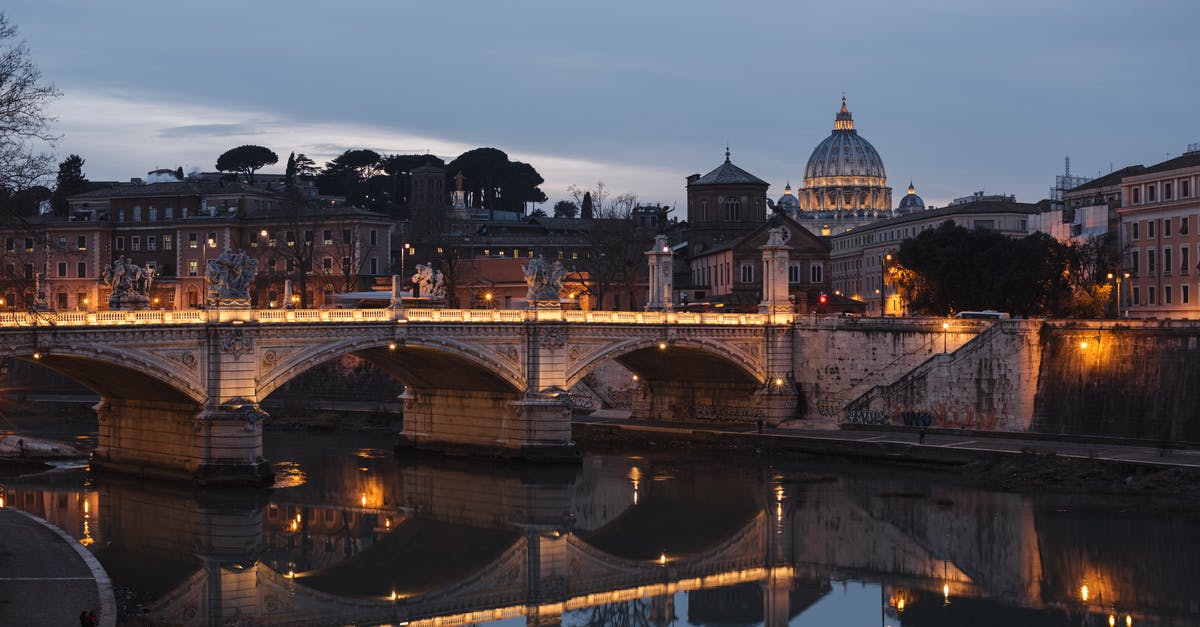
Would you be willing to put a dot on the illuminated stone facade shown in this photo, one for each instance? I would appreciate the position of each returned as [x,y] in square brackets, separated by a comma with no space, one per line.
[845,185]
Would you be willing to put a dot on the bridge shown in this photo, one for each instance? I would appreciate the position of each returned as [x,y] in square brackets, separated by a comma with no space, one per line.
[180,390]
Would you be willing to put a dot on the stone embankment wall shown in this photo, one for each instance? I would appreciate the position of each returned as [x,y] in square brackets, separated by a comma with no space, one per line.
[1136,379]
[838,360]
[988,384]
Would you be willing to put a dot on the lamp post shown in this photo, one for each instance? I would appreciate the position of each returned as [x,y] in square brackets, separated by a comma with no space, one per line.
[403,255]
[883,266]
[945,332]
[1118,276]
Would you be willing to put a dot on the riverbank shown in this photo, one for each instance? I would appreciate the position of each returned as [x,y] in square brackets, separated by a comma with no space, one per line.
[1009,462]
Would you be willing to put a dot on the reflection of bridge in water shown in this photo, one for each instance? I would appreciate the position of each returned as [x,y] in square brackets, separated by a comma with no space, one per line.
[447,545]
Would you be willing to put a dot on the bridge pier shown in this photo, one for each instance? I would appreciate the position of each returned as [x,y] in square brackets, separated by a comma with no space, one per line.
[536,427]
[178,441]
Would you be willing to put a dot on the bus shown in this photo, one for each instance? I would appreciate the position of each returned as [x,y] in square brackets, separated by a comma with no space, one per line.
[986,314]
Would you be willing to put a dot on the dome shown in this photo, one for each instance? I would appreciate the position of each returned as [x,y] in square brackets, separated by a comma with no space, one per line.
[911,201]
[788,201]
[844,153]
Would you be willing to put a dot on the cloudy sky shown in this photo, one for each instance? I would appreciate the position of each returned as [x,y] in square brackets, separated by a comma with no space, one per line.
[956,95]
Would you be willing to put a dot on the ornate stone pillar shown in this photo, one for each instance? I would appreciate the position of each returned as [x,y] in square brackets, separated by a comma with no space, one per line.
[661,260]
[775,301]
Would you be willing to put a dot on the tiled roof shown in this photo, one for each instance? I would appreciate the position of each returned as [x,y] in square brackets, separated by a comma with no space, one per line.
[1188,160]
[729,174]
[179,188]
[1112,178]
[979,206]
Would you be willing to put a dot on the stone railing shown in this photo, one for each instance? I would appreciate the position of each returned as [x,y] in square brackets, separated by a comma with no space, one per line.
[284,316]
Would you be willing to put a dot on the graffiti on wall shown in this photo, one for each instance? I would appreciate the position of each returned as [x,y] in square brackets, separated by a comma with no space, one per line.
[829,405]
[865,417]
[943,415]
[728,413]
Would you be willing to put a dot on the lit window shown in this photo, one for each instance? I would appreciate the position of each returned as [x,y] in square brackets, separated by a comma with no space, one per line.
[192,266]
[166,242]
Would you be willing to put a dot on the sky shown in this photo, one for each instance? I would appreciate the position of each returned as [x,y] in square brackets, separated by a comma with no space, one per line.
[957,96]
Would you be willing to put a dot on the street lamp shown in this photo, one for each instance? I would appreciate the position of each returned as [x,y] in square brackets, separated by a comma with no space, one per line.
[403,255]
[883,267]
[1118,277]
[945,332]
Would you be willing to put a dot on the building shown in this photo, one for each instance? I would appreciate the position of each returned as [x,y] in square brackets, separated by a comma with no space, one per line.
[845,184]
[1085,211]
[732,274]
[723,206]
[1159,239]
[859,259]
[175,227]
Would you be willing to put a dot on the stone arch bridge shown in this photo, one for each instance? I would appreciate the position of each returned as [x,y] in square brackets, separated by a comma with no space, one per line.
[180,389]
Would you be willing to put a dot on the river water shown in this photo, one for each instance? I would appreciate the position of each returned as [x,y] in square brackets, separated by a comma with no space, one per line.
[351,534]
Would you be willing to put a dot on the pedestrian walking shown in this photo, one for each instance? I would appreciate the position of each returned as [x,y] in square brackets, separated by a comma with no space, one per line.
[921,436]
[760,425]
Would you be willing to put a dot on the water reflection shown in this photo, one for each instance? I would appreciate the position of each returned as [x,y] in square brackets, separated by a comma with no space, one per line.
[356,535]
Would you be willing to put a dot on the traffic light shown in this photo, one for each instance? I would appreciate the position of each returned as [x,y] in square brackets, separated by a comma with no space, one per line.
[824,299]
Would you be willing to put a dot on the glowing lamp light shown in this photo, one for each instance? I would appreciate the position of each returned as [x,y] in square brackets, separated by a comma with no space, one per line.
[635,377]
[37,355]
[1112,620]
[778,382]
[487,296]
[662,559]
[1083,345]
[945,593]
[662,346]
[291,574]
[392,346]
[945,326]
[1128,621]
[394,595]
[1083,592]
[900,605]
[363,500]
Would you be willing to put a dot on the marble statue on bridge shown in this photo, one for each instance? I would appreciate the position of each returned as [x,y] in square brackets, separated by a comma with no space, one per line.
[431,283]
[544,281]
[229,277]
[129,282]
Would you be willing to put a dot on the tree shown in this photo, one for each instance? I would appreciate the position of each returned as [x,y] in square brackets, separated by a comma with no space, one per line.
[565,209]
[587,209]
[494,182]
[346,173]
[289,171]
[24,122]
[305,166]
[618,242]
[950,269]
[246,160]
[70,180]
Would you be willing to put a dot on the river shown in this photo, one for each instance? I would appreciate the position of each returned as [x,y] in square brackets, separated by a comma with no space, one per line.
[351,534]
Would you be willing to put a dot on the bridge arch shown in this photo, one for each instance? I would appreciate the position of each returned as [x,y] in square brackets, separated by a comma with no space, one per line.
[419,362]
[115,372]
[698,360]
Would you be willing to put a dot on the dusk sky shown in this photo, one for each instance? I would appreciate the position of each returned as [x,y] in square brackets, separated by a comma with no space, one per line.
[957,96]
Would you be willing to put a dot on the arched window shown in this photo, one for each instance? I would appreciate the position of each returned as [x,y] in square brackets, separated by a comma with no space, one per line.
[733,209]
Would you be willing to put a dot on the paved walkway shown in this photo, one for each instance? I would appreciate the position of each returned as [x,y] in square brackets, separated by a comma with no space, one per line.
[938,444]
[46,577]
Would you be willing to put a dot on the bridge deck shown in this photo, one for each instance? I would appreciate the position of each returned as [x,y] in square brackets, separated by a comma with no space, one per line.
[200,316]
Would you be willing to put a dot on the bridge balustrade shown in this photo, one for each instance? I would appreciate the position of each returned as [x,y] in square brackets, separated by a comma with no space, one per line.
[277,316]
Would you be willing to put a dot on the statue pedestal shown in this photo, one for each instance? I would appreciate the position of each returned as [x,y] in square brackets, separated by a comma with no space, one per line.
[129,302]
[543,304]
[228,303]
